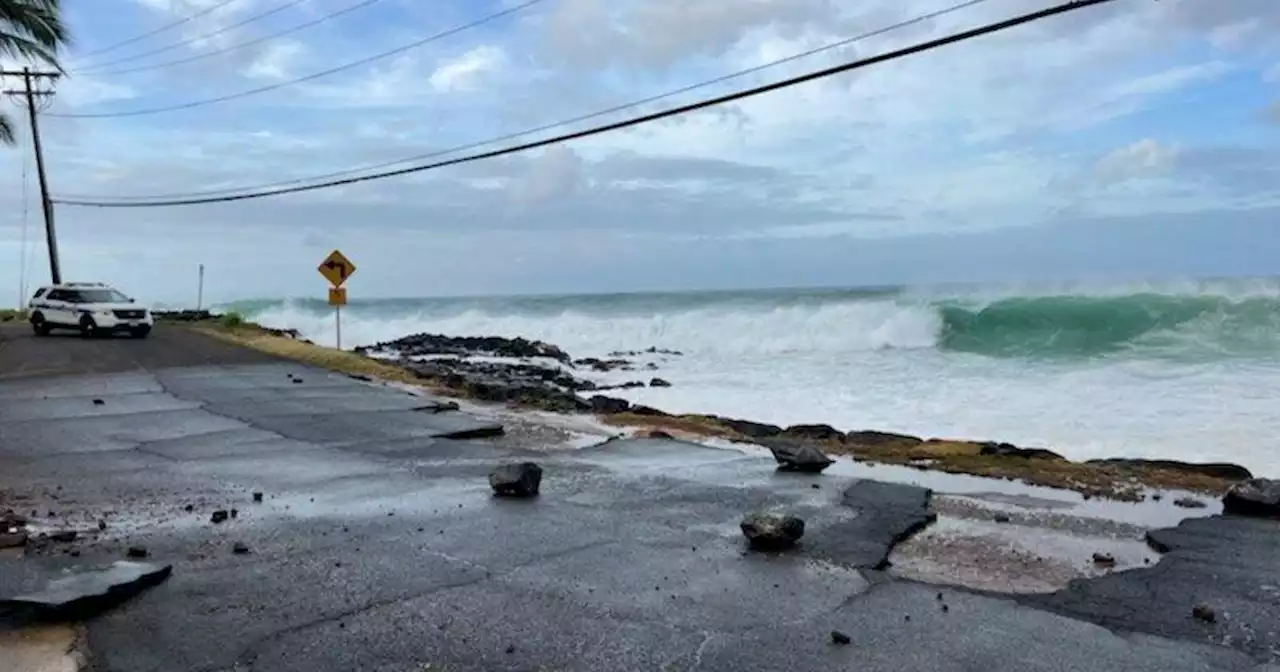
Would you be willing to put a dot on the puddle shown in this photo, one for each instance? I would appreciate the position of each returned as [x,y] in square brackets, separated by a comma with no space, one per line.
[1009,557]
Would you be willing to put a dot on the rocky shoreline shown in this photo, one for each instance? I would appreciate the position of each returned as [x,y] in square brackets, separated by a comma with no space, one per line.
[537,375]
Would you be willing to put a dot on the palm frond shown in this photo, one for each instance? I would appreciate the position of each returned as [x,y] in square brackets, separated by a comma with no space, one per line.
[32,29]
[6,132]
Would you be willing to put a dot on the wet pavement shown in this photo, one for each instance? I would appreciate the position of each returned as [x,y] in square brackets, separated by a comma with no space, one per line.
[378,545]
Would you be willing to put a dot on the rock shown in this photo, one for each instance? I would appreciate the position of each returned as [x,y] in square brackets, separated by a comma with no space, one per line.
[1189,503]
[749,429]
[878,439]
[297,381]
[1258,497]
[648,411]
[99,402]
[84,594]
[10,520]
[1205,613]
[218,516]
[1010,450]
[1223,470]
[240,548]
[13,539]
[516,480]
[609,405]
[102,525]
[63,536]
[602,365]
[772,531]
[1104,560]
[658,382]
[257,497]
[1001,517]
[840,638]
[137,552]
[485,346]
[813,433]
[800,457]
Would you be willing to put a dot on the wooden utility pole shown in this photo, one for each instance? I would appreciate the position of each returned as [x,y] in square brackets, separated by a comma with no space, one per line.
[32,94]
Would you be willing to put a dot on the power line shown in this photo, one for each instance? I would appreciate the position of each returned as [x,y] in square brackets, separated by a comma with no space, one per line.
[564,122]
[168,26]
[240,45]
[95,69]
[315,75]
[635,121]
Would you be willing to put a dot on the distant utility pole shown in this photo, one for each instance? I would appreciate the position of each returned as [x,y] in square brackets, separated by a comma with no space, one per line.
[32,95]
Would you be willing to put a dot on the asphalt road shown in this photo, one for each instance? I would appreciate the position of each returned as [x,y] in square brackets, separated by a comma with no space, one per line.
[22,354]
[379,547]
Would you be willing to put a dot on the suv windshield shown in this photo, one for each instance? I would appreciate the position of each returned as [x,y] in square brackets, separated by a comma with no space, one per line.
[95,296]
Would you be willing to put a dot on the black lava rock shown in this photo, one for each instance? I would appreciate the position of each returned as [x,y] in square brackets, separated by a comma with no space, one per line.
[516,480]
[772,531]
[802,457]
[840,638]
[1258,497]
[218,516]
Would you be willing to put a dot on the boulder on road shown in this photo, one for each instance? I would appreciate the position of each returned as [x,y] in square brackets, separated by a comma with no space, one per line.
[516,480]
[1256,497]
[772,531]
[800,457]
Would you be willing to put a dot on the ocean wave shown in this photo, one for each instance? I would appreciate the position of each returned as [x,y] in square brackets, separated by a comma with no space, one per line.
[1163,325]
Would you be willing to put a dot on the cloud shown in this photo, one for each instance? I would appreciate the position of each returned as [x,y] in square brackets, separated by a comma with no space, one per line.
[1111,117]
[1141,159]
[466,71]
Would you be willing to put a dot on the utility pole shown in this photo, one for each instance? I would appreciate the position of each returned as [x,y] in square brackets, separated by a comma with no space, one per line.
[31,94]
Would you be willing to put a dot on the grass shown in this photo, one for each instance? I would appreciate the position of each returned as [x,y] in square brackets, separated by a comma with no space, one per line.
[12,315]
[950,456]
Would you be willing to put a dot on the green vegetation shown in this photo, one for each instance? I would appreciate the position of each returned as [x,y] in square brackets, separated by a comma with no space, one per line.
[10,315]
[231,320]
[30,30]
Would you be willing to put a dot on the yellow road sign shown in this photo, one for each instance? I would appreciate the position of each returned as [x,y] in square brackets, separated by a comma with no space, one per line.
[337,296]
[336,268]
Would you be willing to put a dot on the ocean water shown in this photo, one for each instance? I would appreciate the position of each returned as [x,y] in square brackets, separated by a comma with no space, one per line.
[1179,369]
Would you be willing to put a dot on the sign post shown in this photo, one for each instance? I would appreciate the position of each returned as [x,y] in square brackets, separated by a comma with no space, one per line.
[336,268]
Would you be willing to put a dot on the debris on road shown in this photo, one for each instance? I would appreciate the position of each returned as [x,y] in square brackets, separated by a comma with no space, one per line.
[1002,518]
[257,498]
[772,531]
[64,536]
[516,480]
[240,548]
[840,638]
[99,402]
[1257,497]
[13,539]
[801,457]
[137,552]
[1204,612]
[83,594]
[219,516]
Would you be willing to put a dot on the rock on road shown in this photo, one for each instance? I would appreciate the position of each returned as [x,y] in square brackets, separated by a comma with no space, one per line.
[378,544]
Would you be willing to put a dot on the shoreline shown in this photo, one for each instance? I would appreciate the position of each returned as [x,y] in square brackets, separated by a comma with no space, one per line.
[526,386]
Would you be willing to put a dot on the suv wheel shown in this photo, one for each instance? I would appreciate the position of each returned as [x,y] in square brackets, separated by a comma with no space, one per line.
[39,325]
[88,329]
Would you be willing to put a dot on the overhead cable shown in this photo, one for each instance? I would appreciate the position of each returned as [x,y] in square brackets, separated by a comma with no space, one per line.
[558,124]
[166,27]
[635,121]
[313,76]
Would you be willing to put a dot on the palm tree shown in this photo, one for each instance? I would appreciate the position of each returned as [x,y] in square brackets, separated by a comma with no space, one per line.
[30,30]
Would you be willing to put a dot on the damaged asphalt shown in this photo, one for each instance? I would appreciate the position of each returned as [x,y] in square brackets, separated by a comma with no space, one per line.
[379,546]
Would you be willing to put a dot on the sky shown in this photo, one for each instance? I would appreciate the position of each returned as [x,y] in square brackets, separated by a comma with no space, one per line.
[1135,139]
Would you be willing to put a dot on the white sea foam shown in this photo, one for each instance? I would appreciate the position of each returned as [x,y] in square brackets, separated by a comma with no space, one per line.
[876,362]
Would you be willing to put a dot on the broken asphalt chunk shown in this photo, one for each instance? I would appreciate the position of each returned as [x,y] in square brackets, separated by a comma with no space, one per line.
[218,516]
[86,593]
[772,531]
[516,480]
[840,638]
[240,548]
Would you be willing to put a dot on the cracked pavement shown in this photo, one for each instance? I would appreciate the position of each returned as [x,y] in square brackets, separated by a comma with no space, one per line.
[378,545]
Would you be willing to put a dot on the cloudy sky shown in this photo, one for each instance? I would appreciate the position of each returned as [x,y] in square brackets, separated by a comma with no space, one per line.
[1138,138]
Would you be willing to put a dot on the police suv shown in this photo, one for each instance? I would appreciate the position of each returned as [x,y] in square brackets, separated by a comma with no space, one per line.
[92,308]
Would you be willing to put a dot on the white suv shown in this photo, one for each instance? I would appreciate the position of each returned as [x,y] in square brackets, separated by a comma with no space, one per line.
[92,308]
